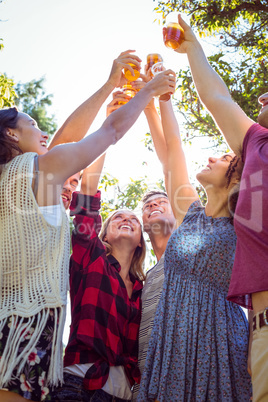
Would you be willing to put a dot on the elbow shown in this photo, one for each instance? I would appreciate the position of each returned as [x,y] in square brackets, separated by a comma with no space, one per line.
[165,170]
[212,101]
[110,130]
[207,100]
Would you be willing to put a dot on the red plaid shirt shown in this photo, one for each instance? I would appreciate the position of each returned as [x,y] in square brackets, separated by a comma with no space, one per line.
[105,322]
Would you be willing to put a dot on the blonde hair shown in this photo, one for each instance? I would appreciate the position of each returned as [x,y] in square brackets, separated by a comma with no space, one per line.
[136,266]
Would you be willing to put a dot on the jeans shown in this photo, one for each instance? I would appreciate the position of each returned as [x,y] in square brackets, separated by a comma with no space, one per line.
[72,390]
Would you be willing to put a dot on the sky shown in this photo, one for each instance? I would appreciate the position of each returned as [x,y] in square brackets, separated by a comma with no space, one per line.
[72,43]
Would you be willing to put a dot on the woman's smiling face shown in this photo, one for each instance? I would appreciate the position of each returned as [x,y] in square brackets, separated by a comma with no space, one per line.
[28,136]
[124,225]
[215,172]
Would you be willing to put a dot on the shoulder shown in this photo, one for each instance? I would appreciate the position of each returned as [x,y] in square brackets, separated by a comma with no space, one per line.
[256,135]
[255,131]
[20,167]
[25,158]
[156,270]
[195,209]
[256,128]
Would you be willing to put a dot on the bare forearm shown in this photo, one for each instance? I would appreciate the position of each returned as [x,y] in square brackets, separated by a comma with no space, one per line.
[180,191]
[208,83]
[123,118]
[77,125]
[169,123]
[79,122]
[157,135]
[91,176]
[215,96]
[86,151]
[176,164]
[83,153]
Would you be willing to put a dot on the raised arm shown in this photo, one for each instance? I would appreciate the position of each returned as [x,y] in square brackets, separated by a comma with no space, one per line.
[91,175]
[229,117]
[180,191]
[157,134]
[79,122]
[168,147]
[64,160]
[152,118]
[154,123]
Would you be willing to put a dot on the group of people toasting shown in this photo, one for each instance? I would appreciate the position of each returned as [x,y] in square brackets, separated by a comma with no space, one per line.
[176,333]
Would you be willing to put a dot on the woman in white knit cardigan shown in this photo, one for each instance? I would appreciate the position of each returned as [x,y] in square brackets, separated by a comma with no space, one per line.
[34,241]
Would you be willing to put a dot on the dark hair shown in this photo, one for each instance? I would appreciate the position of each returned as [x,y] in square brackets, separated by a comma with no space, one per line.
[8,119]
[236,166]
[151,193]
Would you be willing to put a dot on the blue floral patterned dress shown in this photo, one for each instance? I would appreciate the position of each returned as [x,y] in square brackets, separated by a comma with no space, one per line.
[198,346]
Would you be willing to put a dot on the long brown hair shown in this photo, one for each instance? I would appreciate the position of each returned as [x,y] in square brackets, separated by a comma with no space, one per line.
[136,266]
[8,148]
[236,167]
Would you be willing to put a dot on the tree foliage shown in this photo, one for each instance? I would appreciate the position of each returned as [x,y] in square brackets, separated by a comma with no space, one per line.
[239,24]
[33,100]
[245,80]
[30,98]
[238,31]
[7,91]
[128,197]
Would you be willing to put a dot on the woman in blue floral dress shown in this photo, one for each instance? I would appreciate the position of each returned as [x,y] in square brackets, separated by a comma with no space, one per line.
[198,347]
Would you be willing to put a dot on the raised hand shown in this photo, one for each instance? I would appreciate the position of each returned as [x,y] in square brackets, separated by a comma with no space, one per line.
[118,97]
[189,36]
[163,83]
[139,84]
[117,78]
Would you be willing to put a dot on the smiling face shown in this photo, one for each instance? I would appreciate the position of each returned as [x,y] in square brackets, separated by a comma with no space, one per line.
[125,225]
[157,215]
[28,136]
[214,174]
[123,229]
[68,188]
[263,115]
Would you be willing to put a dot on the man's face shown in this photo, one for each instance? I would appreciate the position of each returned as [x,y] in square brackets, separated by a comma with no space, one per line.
[157,216]
[263,115]
[68,188]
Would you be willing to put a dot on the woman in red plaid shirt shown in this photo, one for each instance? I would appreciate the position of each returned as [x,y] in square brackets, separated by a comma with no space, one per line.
[106,274]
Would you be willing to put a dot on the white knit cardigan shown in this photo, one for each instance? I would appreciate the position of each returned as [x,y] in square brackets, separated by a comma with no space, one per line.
[34,259]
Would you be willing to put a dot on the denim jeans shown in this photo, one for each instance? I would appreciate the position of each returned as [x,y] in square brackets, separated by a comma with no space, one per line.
[72,390]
